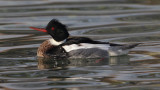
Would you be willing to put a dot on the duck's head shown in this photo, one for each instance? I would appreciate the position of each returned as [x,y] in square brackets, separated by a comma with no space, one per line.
[57,30]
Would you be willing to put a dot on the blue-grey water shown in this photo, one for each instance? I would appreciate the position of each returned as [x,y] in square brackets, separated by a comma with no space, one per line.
[117,21]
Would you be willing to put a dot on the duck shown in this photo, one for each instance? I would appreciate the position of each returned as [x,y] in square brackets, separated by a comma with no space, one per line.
[62,44]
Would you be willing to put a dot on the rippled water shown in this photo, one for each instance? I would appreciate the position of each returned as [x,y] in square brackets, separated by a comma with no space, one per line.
[118,21]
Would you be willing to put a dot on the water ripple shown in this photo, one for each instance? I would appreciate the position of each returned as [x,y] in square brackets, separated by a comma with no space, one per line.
[119,21]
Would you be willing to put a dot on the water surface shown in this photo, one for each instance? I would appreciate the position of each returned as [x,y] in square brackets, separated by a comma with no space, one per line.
[118,21]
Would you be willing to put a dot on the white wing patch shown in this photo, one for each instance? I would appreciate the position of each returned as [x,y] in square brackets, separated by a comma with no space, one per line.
[71,47]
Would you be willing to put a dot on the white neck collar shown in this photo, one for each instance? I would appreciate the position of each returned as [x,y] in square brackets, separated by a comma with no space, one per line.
[56,43]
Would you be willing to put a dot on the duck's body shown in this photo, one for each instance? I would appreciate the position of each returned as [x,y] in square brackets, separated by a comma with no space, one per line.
[81,47]
[61,45]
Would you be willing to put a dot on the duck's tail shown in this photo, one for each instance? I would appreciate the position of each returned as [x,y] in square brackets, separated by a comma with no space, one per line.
[117,49]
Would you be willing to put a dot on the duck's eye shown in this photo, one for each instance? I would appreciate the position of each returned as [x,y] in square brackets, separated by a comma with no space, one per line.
[52,28]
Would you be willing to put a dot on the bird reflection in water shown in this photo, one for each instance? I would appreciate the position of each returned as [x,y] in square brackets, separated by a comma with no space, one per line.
[54,63]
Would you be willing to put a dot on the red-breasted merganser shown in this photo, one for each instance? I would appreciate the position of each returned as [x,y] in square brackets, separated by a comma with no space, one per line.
[61,45]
